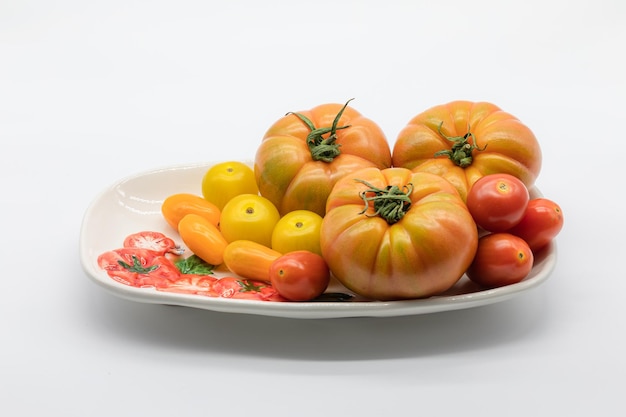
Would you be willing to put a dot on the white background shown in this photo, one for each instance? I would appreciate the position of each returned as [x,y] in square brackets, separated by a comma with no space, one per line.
[94,91]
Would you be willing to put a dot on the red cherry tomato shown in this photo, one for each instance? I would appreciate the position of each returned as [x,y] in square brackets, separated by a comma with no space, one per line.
[300,275]
[542,221]
[497,202]
[501,259]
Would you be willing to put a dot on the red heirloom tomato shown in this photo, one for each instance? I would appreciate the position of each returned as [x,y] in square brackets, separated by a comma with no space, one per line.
[498,201]
[463,141]
[300,275]
[303,154]
[501,259]
[395,234]
[542,221]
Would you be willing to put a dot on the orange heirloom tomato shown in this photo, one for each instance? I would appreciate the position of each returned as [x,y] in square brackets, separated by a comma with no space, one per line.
[303,154]
[395,234]
[177,206]
[202,238]
[250,259]
[463,141]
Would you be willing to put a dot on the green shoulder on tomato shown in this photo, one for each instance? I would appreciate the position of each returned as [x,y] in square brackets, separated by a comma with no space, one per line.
[303,154]
[395,234]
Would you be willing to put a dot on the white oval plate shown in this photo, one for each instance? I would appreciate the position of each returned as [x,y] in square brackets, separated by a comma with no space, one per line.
[134,204]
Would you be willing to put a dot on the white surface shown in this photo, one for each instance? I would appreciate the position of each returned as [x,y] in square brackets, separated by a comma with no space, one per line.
[91,92]
[133,204]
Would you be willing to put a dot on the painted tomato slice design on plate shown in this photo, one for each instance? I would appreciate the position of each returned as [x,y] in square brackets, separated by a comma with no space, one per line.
[154,241]
[138,267]
[153,260]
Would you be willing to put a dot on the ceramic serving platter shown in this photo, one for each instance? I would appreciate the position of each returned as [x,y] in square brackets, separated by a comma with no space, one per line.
[133,205]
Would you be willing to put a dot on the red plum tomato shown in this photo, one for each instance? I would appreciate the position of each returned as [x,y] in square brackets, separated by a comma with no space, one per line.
[542,221]
[501,259]
[300,275]
[497,202]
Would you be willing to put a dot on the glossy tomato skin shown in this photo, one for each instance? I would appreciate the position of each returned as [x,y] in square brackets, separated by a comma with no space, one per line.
[300,275]
[498,201]
[177,206]
[249,217]
[286,171]
[226,180]
[298,230]
[503,144]
[501,259]
[202,238]
[422,254]
[541,223]
[250,259]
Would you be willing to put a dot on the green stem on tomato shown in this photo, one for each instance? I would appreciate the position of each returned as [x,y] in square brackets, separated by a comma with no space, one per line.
[461,150]
[323,149]
[391,203]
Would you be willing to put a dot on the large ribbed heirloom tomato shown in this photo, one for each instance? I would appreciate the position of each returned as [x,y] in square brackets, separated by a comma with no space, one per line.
[303,154]
[395,234]
[463,141]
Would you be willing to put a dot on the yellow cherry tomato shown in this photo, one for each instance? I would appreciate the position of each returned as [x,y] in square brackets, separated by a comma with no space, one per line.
[298,230]
[226,180]
[249,217]
[177,206]
[250,259]
[202,238]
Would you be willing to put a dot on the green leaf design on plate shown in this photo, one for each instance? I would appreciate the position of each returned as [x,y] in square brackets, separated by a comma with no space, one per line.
[194,265]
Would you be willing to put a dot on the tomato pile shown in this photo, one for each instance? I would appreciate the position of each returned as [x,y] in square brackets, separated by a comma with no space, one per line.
[328,196]
[514,228]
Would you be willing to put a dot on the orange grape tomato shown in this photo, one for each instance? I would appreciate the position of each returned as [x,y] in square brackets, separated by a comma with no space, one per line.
[202,238]
[177,206]
[249,259]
